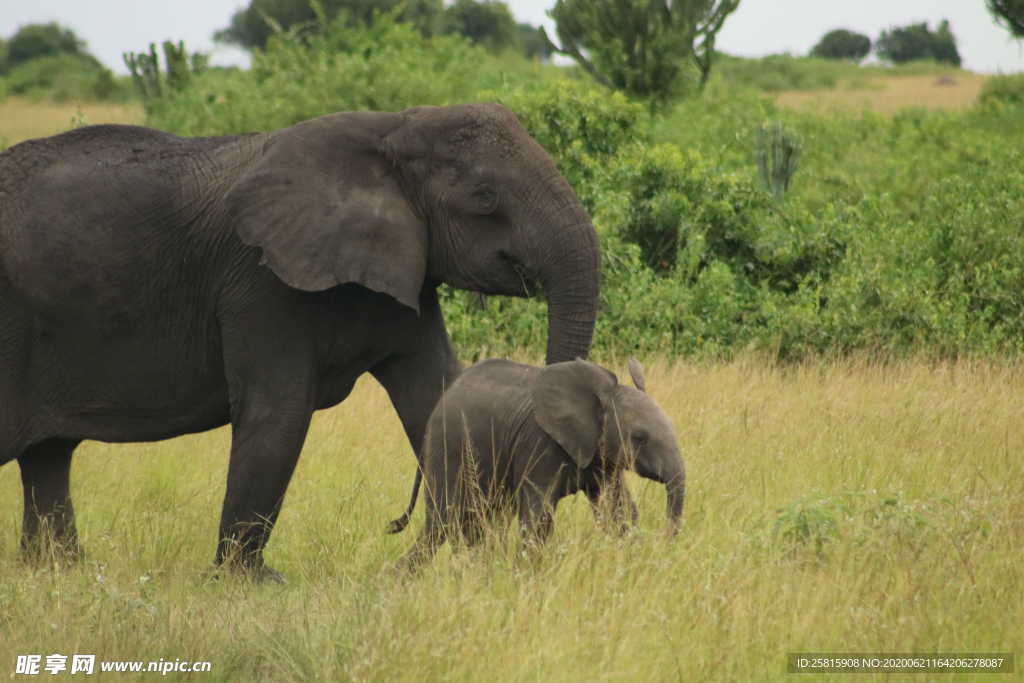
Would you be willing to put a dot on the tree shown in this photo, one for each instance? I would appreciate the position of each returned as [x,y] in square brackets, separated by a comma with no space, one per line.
[916,41]
[252,26]
[483,22]
[42,40]
[531,39]
[1009,14]
[842,44]
[641,46]
[3,56]
[944,45]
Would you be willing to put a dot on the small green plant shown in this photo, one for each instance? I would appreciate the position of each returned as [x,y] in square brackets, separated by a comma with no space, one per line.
[811,523]
[79,119]
[778,157]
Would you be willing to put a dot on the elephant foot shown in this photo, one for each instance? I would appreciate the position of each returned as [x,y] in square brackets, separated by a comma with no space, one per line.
[48,550]
[253,574]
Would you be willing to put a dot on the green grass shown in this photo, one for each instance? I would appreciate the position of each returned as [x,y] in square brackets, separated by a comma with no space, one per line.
[851,507]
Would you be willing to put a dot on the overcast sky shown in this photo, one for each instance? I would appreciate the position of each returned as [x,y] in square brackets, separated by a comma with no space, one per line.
[757,28]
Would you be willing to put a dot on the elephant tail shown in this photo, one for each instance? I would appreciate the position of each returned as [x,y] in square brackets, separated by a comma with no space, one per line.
[397,525]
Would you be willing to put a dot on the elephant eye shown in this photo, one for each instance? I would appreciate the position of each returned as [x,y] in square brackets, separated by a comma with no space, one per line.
[485,200]
[640,437]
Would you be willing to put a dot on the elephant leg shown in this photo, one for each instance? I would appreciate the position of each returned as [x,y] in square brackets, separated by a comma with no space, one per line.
[423,550]
[536,518]
[271,371]
[613,506]
[415,381]
[48,523]
[264,450]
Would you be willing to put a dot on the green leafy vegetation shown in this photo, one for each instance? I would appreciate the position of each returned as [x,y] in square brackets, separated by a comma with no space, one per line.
[63,77]
[388,65]
[252,26]
[483,22]
[33,41]
[1004,90]
[487,22]
[916,41]
[50,61]
[642,48]
[842,43]
[1009,14]
[179,68]
[898,235]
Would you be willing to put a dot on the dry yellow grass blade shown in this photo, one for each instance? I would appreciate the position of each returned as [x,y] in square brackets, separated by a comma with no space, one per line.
[22,118]
[889,95]
[853,507]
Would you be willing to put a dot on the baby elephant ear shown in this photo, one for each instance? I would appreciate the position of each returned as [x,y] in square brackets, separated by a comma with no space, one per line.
[569,404]
[324,204]
[636,371]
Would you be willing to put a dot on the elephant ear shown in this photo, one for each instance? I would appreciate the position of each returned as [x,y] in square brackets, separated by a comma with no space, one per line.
[636,371]
[569,401]
[325,205]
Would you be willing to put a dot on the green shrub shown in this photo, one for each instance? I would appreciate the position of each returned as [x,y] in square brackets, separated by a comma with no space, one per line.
[671,204]
[905,235]
[387,66]
[842,43]
[64,77]
[1003,90]
[684,213]
[818,523]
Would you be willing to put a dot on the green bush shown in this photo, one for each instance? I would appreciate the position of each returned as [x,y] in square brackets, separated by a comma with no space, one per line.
[1003,90]
[387,66]
[842,43]
[916,41]
[809,528]
[902,235]
[64,77]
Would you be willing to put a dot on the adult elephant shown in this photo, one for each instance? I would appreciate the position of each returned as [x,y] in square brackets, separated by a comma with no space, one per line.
[152,286]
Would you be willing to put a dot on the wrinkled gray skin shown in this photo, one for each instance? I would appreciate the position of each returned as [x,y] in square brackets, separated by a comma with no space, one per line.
[152,286]
[513,436]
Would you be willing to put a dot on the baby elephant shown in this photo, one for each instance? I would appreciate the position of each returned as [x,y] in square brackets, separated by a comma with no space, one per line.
[512,436]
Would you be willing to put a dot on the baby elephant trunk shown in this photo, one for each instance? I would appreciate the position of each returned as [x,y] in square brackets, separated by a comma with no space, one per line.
[670,471]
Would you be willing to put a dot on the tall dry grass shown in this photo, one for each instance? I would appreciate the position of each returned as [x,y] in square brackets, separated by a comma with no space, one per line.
[954,92]
[849,506]
[22,118]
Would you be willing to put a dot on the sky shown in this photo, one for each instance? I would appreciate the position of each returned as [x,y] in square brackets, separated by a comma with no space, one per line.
[757,28]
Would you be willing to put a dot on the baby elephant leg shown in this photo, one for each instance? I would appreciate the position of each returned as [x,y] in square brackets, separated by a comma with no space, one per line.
[424,548]
[613,506]
[536,520]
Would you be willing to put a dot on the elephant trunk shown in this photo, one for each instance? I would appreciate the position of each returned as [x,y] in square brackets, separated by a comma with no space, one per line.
[570,279]
[671,472]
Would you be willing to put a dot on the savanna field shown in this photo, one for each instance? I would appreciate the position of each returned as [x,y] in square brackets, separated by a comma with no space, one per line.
[850,506]
[840,357]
